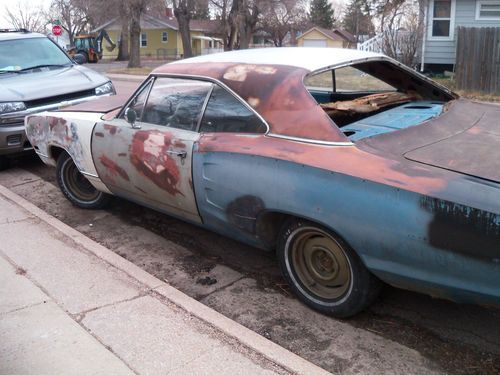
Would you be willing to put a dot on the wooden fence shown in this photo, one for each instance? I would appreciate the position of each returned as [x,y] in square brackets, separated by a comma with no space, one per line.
[478,59]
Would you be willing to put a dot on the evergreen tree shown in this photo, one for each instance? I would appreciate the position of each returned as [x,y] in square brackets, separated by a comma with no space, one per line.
[321,14]
[357,19]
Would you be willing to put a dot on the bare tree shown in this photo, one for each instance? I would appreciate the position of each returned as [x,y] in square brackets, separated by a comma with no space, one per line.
[282,17]
[183,11]
[23,15]
[73,19]
[123,44]
[249,16]
[402,31]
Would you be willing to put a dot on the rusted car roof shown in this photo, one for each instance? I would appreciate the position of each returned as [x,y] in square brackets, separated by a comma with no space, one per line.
[310,59]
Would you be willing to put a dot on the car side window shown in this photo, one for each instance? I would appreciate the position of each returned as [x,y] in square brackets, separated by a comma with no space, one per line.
[176,103]
[137,104]
[225,113]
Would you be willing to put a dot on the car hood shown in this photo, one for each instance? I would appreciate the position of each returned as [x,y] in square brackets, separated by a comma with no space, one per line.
[465,139]
[36,85]
[102,105]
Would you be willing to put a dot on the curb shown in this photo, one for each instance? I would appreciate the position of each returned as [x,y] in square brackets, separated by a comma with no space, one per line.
[266,348]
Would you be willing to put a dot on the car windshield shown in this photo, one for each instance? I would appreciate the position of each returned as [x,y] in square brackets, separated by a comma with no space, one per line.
[24,54]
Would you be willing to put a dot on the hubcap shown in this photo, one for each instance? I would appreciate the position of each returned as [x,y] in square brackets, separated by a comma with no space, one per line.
[320,264]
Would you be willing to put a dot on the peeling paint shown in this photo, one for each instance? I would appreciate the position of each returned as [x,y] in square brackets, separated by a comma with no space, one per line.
[113,168]
[149,156]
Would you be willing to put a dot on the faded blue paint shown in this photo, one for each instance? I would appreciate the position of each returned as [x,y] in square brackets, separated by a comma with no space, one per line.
[401,117]
[386,226]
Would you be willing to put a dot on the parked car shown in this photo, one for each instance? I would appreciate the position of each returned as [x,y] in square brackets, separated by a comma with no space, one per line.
[353,167]
[37,75]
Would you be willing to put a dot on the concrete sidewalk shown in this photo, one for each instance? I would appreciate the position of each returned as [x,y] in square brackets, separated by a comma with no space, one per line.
[69,305]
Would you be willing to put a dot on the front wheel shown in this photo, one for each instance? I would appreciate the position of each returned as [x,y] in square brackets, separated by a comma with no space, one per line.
[323,271]
[76,187]
[4,163]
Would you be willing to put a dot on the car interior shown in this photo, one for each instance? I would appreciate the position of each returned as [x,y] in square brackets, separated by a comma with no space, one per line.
[372,98]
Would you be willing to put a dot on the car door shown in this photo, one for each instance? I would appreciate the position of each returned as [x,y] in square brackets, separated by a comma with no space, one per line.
[150,161]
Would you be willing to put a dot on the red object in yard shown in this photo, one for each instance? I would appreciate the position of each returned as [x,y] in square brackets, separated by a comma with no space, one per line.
[57,30]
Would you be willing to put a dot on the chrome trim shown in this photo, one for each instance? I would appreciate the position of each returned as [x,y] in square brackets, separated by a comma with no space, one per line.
[42,154]
[89,174]
[307,140]
[19,116]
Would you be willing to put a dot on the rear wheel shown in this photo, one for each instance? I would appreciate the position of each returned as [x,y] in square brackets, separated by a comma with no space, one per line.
[323,271]
[76,187]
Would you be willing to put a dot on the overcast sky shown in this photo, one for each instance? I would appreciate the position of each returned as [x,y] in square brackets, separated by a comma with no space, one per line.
[12,4]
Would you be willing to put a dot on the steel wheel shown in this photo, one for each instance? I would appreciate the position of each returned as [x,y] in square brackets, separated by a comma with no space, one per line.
[323,271]
[320,263]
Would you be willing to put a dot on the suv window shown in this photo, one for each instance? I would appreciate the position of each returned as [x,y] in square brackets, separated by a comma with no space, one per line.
[225,113]
[23,54]
[176,103]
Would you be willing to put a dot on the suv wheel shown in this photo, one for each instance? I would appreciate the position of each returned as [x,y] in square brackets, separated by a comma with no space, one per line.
[4,163]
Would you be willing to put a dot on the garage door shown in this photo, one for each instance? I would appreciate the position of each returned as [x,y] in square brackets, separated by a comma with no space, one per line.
[314,43]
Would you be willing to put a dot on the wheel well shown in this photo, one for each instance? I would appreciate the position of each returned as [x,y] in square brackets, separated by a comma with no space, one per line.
[269,224]
[55,152]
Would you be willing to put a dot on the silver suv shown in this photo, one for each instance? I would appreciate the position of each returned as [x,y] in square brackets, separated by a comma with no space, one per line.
[37,75]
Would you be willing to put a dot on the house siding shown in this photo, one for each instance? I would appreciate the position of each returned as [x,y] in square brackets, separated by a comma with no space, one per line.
[443,51]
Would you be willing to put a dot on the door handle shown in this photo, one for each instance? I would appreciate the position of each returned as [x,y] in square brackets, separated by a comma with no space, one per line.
[181,154]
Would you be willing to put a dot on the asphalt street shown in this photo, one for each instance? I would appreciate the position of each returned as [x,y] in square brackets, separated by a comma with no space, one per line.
[401,327]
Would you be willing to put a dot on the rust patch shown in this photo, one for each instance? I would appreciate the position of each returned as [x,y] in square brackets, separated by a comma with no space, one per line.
[179,144]
[99,134]
[149,156]
[243,211]
[113,168]
[110,128]
[122,154]
[347,160]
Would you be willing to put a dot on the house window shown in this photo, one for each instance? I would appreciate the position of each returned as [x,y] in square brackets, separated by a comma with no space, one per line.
[441,17]
[144,39]
[488,10]
[164,37]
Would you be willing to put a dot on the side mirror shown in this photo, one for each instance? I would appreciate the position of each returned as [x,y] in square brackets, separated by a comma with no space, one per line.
[79,59]
[131,117]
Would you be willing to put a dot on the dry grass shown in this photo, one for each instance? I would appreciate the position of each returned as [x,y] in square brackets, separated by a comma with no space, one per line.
[451,84]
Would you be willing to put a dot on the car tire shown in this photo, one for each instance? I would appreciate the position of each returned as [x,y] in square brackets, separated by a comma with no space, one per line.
[4,163]
[323,271]
[76,187]
[86,55]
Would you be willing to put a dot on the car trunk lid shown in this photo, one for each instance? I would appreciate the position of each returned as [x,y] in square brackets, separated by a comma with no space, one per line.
[466,139]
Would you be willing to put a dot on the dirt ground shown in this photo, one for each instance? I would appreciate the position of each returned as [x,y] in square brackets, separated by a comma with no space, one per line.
[244,284]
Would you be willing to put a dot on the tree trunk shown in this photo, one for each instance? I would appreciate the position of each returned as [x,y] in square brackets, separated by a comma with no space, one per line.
[135,34]
[233,24]
[183,18]
[123,47]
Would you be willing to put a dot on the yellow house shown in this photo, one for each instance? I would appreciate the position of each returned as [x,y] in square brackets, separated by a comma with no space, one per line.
[320,37]
[161,39]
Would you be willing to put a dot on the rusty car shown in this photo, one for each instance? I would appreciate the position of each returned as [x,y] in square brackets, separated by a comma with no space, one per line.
[354,168]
